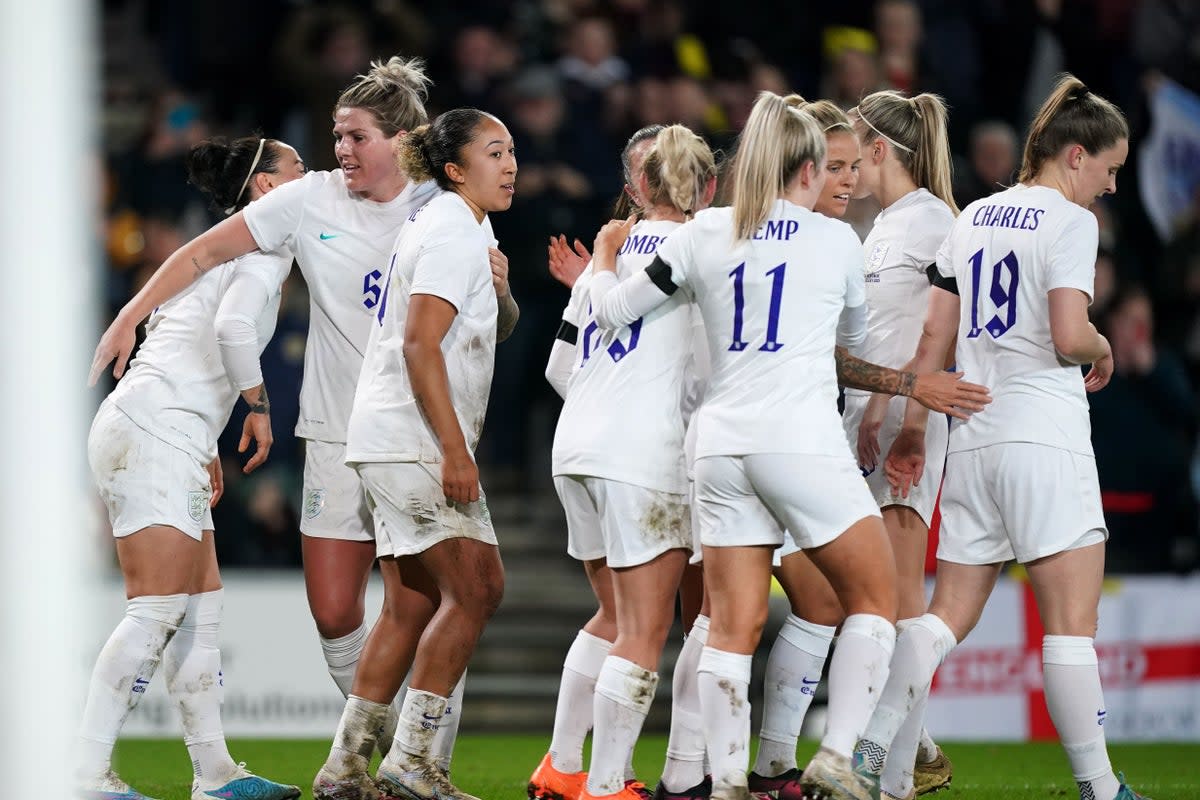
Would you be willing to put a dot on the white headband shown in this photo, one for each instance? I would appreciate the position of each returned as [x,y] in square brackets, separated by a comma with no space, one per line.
[863,117]
[250,174]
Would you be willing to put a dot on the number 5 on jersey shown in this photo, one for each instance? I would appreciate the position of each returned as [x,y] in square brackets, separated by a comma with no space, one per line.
[772,343]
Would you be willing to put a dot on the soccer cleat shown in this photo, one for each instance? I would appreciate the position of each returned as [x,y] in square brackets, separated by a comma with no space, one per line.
[1125,793]
[632,790]
[888,796]
[785,786]
[418,780]
[933,775]
[701,791]
[349,781]
[640,788]
[830,776]
[245,785]
[547,783]
[110,787]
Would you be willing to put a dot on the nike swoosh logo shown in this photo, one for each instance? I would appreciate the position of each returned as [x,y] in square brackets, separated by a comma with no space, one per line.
[432,716]
[326,236]
[807,682]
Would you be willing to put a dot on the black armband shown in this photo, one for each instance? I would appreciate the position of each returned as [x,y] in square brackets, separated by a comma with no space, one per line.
[567,332]
[659,273]
[949,284]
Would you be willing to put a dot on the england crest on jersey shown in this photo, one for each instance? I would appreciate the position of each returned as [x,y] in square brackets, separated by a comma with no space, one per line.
[314,503]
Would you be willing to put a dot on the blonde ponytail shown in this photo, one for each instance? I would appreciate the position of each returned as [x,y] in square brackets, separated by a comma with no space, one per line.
[678,168]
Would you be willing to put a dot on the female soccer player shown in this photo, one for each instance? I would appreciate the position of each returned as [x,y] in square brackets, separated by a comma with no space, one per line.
[341,226]
[622,480]
[906,167]
[1014,283]
[153,451]
[418,413]
[770,415]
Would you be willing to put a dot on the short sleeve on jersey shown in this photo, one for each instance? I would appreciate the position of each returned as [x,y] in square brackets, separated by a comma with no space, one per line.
[447,261]
[576,309]
[275,217]
[1071,262]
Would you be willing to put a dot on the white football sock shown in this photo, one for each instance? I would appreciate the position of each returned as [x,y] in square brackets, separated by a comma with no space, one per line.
[684,767]
[573,715]
[793,674]
[447,732]
[927,747]
[122,674]
[341,656]
[1076,702]
[920,650]
[624,692]
[856,676]
[358,729]
[420,717]
[192,664]
[897,777]
[724,680]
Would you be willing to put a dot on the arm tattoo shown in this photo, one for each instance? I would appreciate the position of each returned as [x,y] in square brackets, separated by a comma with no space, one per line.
[199,269]
[854,373]
[507,314]
[263,405]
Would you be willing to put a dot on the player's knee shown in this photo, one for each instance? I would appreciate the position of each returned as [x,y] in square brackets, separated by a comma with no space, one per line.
[335,621]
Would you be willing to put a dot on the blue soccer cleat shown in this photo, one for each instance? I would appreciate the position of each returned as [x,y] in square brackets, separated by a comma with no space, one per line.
[1125,793]
[245,785]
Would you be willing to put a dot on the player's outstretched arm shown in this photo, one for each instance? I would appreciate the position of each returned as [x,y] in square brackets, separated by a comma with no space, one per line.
[224,241]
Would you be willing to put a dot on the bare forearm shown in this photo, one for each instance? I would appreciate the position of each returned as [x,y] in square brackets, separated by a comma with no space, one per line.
[431,389]
[854,373]
[507,314]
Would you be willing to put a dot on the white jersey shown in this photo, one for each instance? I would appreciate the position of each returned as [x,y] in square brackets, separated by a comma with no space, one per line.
[901,247]
[442,251]
[342,243]
[1007,252]
[622,418]
[176,388]
[770,307]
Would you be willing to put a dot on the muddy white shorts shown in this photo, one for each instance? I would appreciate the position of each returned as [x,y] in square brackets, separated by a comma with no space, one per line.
[411,512]
[750,500]
[143,480]
[923,497]
[624,524]
[333,505]
[1018,500]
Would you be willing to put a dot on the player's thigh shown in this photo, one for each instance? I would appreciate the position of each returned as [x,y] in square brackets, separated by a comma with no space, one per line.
[1067,588]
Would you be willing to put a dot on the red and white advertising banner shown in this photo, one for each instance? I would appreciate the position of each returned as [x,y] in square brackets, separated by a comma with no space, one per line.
[1149,649]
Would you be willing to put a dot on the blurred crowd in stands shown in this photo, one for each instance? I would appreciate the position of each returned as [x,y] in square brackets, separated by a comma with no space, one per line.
[573,78]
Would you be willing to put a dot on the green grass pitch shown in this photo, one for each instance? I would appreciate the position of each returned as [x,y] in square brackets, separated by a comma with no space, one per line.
[496,767]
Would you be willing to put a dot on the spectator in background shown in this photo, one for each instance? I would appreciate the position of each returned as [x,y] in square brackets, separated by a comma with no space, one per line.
[482,61]
[898,27]
[149,178]
[1143,432]
[992,162]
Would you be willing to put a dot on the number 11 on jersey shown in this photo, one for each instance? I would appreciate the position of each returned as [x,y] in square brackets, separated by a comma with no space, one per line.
[739,306]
